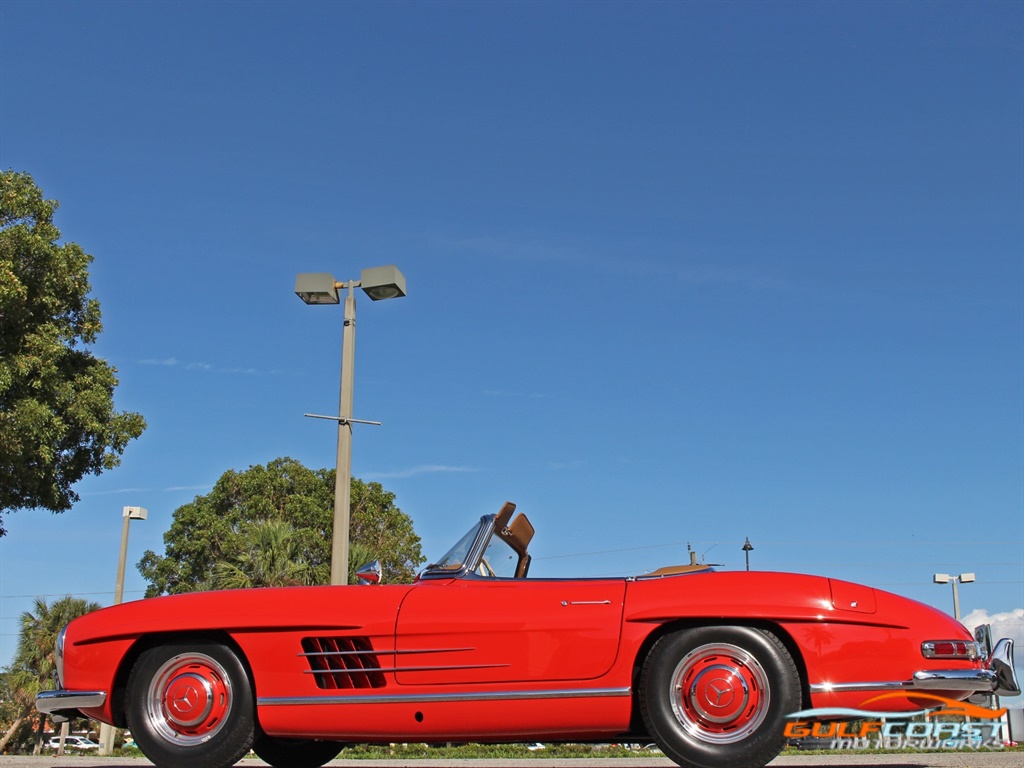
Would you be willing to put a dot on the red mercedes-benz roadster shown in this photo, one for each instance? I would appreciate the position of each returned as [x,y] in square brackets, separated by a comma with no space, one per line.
[706,664]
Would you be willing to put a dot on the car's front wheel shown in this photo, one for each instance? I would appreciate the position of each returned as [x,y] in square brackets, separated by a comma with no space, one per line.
[717,697]
[294,753]
[190,705]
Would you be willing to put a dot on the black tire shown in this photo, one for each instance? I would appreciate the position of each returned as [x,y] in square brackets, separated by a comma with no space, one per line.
[717,697]
[294,753]
[190,705]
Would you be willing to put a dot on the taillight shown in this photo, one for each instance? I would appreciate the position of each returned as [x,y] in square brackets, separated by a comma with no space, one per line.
[951,649]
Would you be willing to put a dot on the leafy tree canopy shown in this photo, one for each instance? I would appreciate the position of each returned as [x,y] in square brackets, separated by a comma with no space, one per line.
[57,418]
[217,539]
[267,554]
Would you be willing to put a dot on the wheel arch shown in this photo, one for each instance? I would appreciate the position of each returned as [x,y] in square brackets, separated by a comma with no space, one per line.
[119,691]
[670,627]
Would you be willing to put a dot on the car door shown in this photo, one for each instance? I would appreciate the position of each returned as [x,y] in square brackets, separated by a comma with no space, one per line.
[479,630]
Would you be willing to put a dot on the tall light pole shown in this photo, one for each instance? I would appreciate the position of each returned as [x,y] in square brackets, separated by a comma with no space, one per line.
[747,549]
[128,513]
[321,288]
[963,578]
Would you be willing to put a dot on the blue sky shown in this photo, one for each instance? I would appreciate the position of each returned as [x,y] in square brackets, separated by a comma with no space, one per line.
[677,272]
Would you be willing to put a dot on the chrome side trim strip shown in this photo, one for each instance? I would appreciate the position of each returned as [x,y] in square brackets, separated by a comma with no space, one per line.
[935,680]
[385,653]
[367,670]
[845,687]
[442,698]
[970,680]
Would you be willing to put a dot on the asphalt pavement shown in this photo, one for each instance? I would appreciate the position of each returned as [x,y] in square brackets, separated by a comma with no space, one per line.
[964,758]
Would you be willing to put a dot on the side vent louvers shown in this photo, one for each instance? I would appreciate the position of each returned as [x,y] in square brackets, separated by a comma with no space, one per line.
[342,662]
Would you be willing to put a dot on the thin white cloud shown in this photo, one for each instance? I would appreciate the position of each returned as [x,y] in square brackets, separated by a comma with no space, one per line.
[515,251]
[114,492]
[640,260]
[203,487]
[424,469]
[505,393]
[170,362]
[558,466]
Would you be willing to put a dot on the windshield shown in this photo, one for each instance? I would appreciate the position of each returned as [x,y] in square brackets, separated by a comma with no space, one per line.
[455,557]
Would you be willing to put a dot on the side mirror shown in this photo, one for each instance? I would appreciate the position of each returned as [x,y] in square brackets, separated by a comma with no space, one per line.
[369,573]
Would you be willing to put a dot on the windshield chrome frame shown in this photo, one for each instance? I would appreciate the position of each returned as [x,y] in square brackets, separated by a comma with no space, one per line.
[473,554]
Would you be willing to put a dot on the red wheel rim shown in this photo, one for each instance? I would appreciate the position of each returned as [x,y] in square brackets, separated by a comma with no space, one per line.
[720,693]
[189,698]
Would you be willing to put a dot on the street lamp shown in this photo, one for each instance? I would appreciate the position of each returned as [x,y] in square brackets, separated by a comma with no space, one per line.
[747,549]
[129,514]
[963,578]
[321,288]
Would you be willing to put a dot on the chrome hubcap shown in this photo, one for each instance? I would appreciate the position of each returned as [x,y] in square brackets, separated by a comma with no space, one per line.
[720,693]
[189,698]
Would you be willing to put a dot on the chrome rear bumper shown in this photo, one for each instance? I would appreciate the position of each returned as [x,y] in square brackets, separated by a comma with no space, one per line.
[996,677]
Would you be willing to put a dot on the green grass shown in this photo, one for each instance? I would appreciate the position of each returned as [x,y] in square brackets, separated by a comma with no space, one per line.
[488,751]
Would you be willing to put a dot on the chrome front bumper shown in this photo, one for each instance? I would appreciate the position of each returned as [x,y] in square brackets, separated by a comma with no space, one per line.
[63,705]
[996,677]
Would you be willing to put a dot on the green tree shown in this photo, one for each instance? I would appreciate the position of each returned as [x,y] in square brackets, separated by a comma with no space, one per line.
[57,418]
[17,699]
[267,554]
[214,528]
[35,659]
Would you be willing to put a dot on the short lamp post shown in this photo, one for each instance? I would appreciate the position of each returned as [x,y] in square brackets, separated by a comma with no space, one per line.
[321,288]
[107,732]
[963,578]
[747,549]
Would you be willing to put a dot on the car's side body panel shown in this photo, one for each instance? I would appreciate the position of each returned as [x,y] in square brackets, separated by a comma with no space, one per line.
[531,631]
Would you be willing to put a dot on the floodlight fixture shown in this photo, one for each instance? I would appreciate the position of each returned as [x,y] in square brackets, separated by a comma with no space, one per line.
[135,513]
[382,282]
[317,288]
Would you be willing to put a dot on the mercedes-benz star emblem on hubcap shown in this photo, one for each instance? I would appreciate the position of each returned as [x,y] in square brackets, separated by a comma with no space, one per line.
[185,700]
[719,693]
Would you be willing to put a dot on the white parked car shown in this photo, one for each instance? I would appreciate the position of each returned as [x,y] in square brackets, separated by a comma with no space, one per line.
[72,742]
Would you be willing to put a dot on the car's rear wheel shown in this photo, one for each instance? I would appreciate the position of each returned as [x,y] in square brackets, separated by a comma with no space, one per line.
[717,697]
[190,705]
[294,753]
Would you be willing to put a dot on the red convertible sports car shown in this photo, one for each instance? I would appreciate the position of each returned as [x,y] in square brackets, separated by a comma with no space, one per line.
[708,665]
